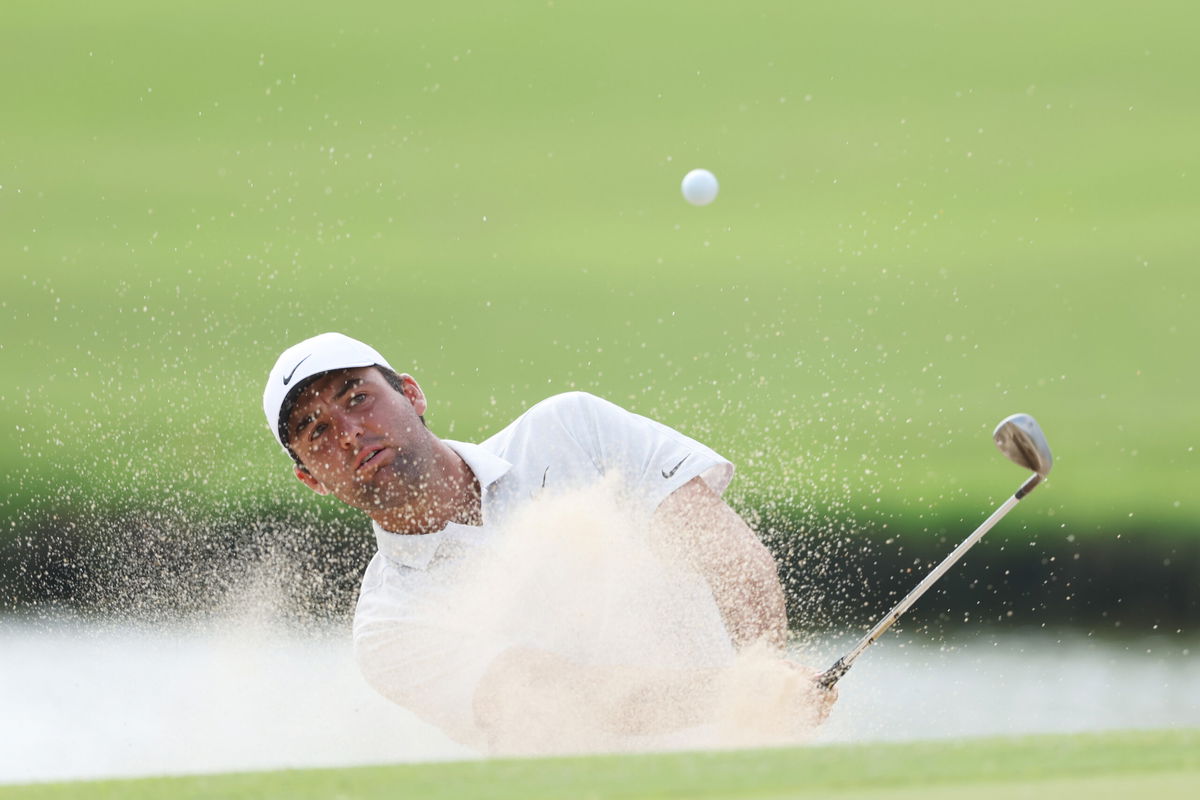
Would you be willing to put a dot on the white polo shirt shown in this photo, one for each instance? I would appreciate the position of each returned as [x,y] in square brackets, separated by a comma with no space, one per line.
[436,609]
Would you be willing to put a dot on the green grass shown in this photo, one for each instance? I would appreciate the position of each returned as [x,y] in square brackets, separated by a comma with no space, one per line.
[1112,765]
[932,215]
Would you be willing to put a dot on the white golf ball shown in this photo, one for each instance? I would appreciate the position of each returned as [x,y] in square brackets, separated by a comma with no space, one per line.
[700,187]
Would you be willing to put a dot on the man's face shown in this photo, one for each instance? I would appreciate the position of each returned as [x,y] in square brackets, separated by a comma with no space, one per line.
[362,440]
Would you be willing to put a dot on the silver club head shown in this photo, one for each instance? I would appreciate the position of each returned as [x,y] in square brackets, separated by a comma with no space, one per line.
[1021,439]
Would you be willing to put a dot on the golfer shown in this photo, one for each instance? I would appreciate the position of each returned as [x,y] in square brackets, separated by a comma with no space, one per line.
[355,428]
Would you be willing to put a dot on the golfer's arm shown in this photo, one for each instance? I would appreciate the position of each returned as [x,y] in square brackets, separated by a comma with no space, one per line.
[738,567]
[531,692]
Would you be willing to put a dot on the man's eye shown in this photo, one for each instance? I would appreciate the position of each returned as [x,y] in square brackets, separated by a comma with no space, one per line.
[355,399]
[318,429]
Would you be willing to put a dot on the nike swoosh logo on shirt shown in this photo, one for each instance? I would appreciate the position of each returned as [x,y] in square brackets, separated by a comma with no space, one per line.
[675,468]
[288,378]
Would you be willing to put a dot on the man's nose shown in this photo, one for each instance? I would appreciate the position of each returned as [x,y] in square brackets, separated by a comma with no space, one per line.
[349,432]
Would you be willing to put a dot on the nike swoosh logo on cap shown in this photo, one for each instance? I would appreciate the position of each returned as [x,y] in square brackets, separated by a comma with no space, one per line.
[288,378]
[675,468]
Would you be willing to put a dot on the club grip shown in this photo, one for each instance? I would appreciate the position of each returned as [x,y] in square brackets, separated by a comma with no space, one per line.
[832,675]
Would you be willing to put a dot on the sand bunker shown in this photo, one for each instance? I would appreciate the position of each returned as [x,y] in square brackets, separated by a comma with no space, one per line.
[622,619]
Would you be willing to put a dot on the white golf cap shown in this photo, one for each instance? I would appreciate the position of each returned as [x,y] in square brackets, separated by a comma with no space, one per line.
[323,353]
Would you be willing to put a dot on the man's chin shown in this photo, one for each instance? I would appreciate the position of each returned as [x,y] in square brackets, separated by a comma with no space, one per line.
[371,498]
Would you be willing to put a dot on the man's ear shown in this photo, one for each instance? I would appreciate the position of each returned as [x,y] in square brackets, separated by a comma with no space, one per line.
[412,390]
[308,480]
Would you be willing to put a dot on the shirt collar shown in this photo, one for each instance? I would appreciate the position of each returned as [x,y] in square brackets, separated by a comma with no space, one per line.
[417,550]
[488,468]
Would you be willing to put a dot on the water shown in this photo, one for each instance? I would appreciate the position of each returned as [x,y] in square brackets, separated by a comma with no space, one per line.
[1014,683]
[107,701]
[82,701]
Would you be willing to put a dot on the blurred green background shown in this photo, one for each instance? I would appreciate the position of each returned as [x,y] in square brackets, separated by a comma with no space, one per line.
[932,214]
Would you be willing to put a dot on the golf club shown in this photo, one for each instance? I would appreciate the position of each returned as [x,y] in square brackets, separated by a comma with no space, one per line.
[1021,439]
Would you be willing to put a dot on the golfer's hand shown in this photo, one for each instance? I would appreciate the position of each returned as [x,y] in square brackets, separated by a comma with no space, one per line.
[765,700]
[823,697]
[814,701]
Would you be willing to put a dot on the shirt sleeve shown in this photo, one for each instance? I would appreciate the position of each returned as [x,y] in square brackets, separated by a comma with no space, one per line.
[419,659]
[654,459]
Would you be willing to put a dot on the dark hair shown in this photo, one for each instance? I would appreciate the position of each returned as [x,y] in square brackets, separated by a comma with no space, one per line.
[289,405]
